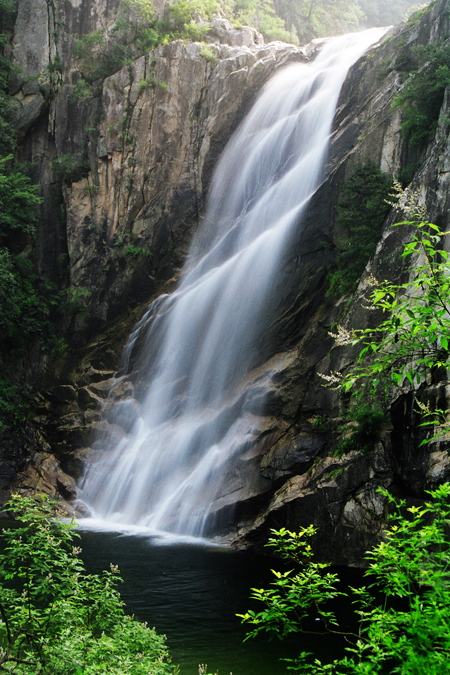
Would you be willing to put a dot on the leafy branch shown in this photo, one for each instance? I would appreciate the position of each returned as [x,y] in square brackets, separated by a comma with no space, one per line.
[414,339]
[402,615]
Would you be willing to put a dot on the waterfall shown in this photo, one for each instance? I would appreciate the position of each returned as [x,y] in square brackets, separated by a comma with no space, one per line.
[197,345]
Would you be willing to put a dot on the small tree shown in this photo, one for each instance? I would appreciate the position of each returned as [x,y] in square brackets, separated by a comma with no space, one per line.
[55,618]
[402,616]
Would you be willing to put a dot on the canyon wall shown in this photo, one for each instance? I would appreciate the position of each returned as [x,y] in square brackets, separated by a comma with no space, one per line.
[141,155]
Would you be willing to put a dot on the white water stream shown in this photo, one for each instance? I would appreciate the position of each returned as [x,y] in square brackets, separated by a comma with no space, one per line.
[198,343]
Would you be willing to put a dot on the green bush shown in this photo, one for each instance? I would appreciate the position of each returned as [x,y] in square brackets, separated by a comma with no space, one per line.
[402,617]
[320,424]
[71,168]
[14,403]
[422,96]
[56,618]
[136,32]
[261,15]
[138,251]
[26,303]
[360,431]
[8,12]
[361,212]
[29,302]
[18,200]
[81,91]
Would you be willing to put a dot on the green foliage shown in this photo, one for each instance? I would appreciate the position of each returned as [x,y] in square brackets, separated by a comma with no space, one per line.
[138,251]
[320,424]
[407,174]
[209,55]
[81,91]
[90,50]
[139,30]
[308,19]
[14,403]
[56,618]
[7,129]
[181,19]
[292,596]
[151,82]
[261,15]
[361,212]
[403,615]
[363,422]
[71,168]
[8,11]
[26,302]
[31,305]
[415,337]
[7,103]
[136,32]
[422,96]
[75,301]
[18,200]
[386,12]
[406,62]
[55,65]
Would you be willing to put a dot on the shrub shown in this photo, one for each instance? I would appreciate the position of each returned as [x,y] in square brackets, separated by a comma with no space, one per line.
[14,403]
[361,211]
[56,618]
[136,32]
[29,301]
[402,617]
[71,168]
[320,424]
[138,251]
[363,422]
[75,302]
[81,91]
[422,96]
[261,15]
[18,200]
[26,302]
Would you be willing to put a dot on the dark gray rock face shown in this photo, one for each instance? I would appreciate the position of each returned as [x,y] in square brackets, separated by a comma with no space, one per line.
[147,186]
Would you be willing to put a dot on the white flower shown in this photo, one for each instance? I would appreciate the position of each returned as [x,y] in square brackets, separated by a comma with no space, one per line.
[333,380]
[407,200]
[343,336]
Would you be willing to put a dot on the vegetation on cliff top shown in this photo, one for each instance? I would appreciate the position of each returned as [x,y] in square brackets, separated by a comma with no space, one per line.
[140,28]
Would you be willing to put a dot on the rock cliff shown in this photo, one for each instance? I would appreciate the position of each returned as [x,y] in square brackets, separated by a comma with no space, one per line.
[121,213]
[123,173]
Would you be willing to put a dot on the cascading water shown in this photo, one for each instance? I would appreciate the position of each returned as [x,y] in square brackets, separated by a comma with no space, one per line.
[199,342]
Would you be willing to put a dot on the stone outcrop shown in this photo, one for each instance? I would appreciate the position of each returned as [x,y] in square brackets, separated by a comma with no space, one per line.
[149,142]
[124,171]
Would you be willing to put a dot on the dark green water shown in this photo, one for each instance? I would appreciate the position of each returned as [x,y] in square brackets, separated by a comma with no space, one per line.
[192,594]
